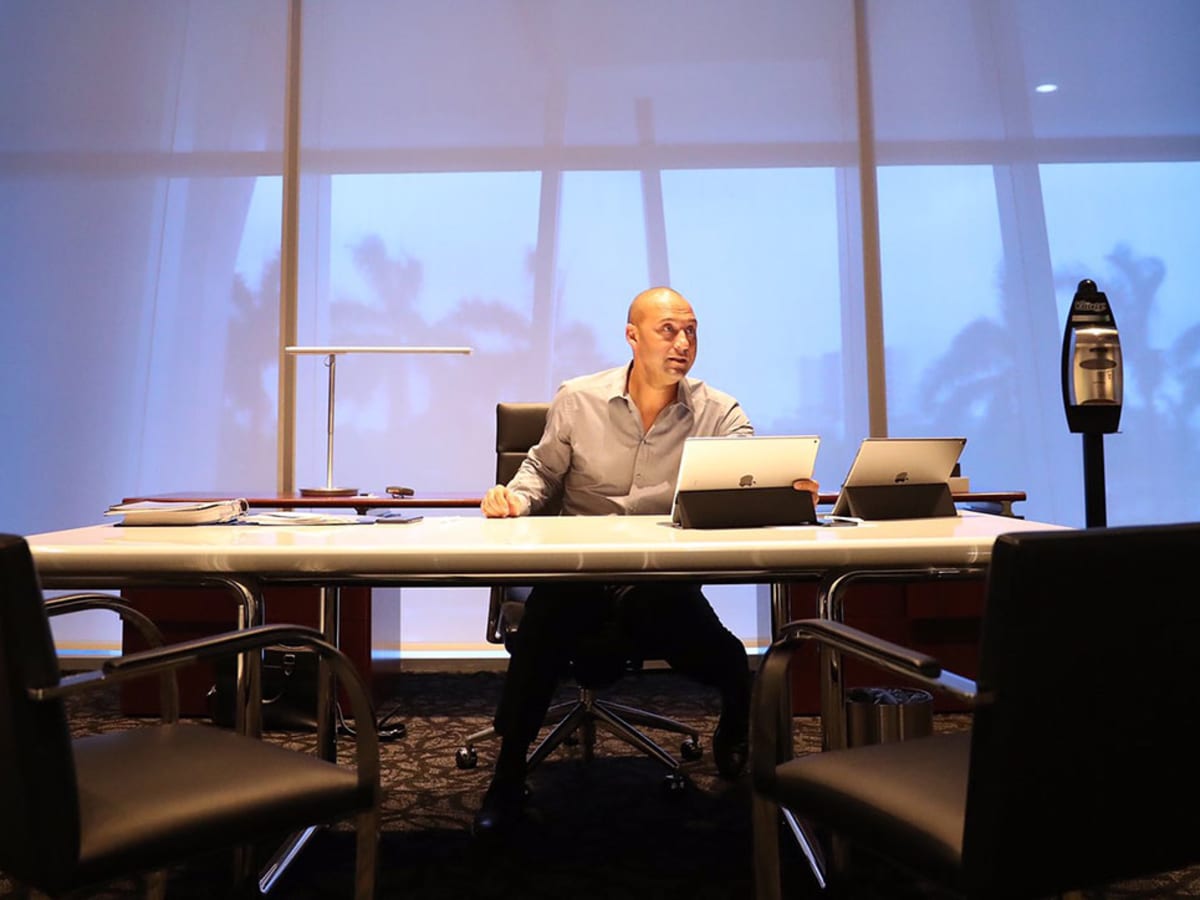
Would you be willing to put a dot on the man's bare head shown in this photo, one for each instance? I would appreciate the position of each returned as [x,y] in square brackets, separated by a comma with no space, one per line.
[661,332]
[653,299]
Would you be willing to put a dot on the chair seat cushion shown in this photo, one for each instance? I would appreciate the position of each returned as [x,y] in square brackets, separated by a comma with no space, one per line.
[909,796]
[139,804]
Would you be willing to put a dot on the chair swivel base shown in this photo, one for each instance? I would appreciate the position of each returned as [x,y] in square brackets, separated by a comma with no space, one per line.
[618,719]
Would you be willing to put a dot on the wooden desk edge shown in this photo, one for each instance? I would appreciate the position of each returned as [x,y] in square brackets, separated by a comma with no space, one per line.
[360,502]
[363,502]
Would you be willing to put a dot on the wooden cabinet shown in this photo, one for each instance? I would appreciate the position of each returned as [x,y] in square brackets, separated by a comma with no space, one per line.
[941,618]
[185,613]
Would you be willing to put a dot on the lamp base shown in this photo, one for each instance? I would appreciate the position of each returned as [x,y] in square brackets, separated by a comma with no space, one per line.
[328,492]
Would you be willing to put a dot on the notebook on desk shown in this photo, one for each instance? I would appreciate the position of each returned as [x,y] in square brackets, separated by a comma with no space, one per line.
[744,481]
[900,478]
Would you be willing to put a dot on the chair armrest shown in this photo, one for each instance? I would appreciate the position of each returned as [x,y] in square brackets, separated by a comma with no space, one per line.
[770,724]
[885,654]
[849,639]
[174,656]
[72,603]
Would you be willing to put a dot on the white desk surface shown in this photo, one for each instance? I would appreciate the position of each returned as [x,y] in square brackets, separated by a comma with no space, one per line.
[471,548]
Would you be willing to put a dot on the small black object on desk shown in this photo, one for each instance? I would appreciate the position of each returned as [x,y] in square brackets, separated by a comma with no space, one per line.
[395,517]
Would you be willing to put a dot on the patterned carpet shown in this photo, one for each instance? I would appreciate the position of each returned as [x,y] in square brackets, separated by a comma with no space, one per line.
[603,829]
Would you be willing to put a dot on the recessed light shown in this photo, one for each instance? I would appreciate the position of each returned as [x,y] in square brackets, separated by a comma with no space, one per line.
[1048,88]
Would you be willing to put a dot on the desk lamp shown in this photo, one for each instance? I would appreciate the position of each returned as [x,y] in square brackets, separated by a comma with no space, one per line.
[331,354]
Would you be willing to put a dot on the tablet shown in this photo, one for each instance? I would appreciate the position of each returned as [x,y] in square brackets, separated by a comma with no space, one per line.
[740,481]
[891,462]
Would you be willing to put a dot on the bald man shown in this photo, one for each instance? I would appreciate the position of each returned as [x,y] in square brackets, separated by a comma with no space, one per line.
[612,445]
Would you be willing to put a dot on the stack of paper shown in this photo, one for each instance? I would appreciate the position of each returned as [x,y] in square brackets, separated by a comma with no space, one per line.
[296,517]
[153,512]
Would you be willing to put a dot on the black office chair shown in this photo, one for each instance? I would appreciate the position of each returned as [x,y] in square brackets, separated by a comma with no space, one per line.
[1079,768]
[81,812]
[518,427]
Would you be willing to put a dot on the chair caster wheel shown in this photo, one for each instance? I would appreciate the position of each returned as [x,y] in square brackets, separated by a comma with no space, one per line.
[466,758]
[691,750]
[674,784]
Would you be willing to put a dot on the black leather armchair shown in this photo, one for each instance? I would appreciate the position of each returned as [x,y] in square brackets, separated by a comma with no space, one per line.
[518,427]
[1079,766]
[80,812]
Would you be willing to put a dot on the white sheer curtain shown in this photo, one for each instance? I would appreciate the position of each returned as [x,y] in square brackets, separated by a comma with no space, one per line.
[507,175]
[1024,146]
[135,308]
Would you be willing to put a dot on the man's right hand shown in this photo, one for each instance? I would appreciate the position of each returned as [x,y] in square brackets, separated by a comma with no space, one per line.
[500,503]
[810,485]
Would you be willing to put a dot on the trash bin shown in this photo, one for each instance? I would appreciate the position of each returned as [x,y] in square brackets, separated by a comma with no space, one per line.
[876,715]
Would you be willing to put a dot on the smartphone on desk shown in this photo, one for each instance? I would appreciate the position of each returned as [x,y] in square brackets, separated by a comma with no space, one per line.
[395,517]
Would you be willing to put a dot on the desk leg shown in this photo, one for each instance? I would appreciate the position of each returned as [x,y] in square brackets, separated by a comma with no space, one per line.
[248,681]
[833,689]
[330,609]
[247,703]
[781,607]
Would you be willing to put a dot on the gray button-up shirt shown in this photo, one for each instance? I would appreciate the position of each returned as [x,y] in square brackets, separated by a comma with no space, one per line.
[595,458]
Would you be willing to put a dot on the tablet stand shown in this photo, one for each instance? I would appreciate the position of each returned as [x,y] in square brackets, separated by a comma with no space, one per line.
[745,508]
[900,501]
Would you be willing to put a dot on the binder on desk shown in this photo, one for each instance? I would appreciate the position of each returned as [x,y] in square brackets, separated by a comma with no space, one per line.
[155,512]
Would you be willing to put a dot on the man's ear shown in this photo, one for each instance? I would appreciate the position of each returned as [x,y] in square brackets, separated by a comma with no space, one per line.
[630,334]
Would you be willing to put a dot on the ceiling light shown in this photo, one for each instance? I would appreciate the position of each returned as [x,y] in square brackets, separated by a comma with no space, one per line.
[1048,87]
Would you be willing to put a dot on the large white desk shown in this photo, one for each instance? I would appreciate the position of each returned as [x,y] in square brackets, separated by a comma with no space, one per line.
[471,549]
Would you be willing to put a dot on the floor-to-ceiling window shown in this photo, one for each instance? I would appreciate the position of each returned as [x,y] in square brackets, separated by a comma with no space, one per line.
[1023,147]
[507,175]
[140,156]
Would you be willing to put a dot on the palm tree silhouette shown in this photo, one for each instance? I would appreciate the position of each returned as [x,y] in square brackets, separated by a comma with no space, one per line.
[450,401]
[970,389]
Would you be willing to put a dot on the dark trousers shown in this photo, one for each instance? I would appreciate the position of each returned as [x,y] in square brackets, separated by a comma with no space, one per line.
[564,622]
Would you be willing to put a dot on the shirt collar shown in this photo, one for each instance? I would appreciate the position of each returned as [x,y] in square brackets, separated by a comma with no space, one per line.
[619,378]
[616,380]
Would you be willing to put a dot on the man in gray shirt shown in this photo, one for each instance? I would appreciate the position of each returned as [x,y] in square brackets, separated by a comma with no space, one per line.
[612,445]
